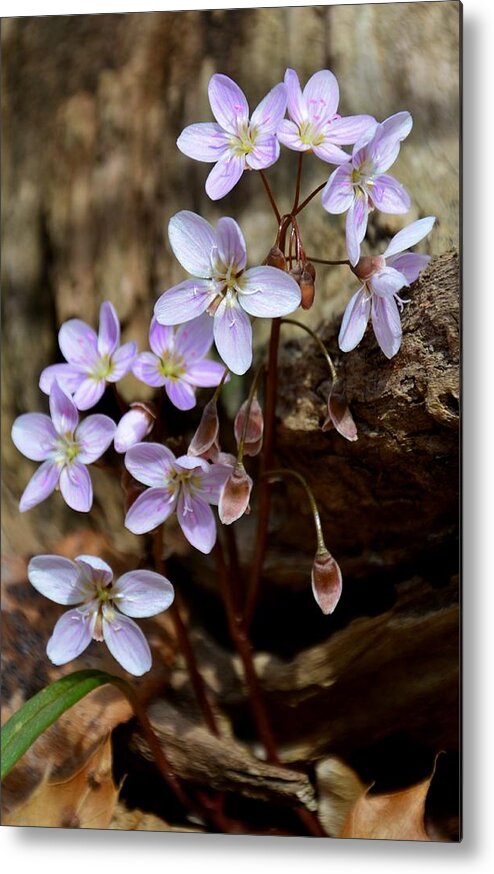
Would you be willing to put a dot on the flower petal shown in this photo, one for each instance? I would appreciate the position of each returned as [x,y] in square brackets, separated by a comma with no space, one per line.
[228,102]
[181,394]
[289,134]
[206,374]
[122,361]
[409,236]
[321,96]
[345,131]
[94,569]
[387,281]
[387,324]
[94,436]
[355,320]
[89,393]
[296,105]
[149,510]
[231,245]
[109,329]
[385,143]
[57,578]
[150,463]
[233,335]
[212,481]
[184,302]
[194,339]
[71,636]
[192,240]
[268,292]
[68,376]
[326,151]
[410,265]
[143,593]
[196,520]
[146,369]
[389,195]
[270,111]
[63,411]
[356,226]
[76,487]
[265,152]
[224,176]
[204,142]
[126,642]
[338,195]
[79,343]
[33,434]
[40,486]
[161,338]
[132,428]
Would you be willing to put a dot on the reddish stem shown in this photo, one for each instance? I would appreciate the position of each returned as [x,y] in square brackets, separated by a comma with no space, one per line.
[310,197]
[270,195]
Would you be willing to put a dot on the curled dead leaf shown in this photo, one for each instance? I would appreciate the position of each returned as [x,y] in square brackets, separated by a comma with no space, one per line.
[397,816]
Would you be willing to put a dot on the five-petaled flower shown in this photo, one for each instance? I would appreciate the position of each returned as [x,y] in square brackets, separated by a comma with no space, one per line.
[65,447]
[93,359]
[177,360]
[234,143]
[314,123]
[185,485]
[104,607]
[362,183]
[383,277]
[223,287]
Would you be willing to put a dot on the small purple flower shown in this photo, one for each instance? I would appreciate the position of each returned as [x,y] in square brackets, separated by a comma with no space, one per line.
[362,184]
[184,485]
[383,277]
[315,125]
[103,610]
[223,287]
[176,361]
[65,447]
[235,143]
[134,425]
[93,360]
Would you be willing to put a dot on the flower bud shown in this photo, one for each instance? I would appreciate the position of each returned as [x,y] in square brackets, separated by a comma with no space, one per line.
[307,287]
[235,495]
[326,581]
[296,272]
[255,426]
[339,415]
[134,426]
[367,266]
[207,431]
[276,258]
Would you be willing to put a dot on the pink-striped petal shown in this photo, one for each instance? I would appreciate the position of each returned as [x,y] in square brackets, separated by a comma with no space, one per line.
[268,292]
[410,236]
[72,635]
[345,131]
[184,302]
[330,153]
[150,463]
[289,135]
[181,394]
[76,487]
[132,428]
[122,361]
[321,96]
[150,510]
[142,593]
[265,152]
[40,486]
[146,368]
[109,329]
[356,225]
[410,265]
[389,195]
[94,436]
[270,111]
[387,324]
[206,374]
[231,245]
[233,335]
[89,393]
[387,281]
[296,105]
[94,569]
[194,339]
[385,144]
[212,481]
[204,142]
[228,102]
[68,376]
[192,240]
[33,434]
[196,520]
[126,642]
[79,343]
[355,319]
[57,578]
[161,338]
[224,176]
[63,411]
[338,195]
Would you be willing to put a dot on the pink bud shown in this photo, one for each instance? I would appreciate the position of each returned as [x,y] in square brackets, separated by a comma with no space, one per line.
[207,432]
[134,426]
[339,415]
[255,427]
[367,266]
[326,581]
[235,495]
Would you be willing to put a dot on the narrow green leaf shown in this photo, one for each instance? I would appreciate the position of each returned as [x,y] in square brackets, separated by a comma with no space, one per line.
[44,708]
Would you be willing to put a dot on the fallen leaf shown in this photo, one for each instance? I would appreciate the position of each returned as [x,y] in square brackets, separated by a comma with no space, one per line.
[136,820]
[398,816]
[338,788]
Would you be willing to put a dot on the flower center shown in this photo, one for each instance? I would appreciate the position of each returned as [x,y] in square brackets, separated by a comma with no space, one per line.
[67,449]
[171,366]
[103,368]
[310,134]
[243,143]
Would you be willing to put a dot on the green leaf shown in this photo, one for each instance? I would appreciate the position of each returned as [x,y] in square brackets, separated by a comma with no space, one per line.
[41,711]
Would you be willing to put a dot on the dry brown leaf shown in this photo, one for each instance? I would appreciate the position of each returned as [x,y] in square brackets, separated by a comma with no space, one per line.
[338,788]
[398,816]
[136,820]
[85,800]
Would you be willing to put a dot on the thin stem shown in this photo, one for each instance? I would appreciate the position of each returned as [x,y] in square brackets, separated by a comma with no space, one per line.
[270,195]
[297,184]
[318,341]
[330,263]
[220,385]
[310,197]
[284,472]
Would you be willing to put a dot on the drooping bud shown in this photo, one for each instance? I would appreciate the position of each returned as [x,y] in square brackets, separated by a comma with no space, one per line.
[339,415]
[207,431]
[254,426]
[326,580]
[134,426]
[235,495]
[367,266]
[307,286]
[276,258]
[296,272]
